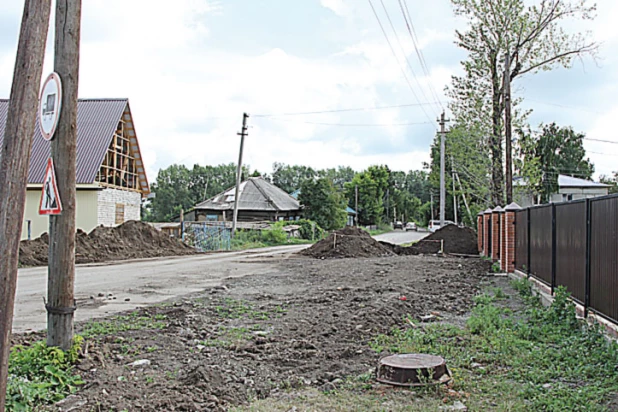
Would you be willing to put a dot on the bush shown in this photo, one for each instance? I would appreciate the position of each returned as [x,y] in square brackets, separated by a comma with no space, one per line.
[274,236]
[309,230]
[40,375]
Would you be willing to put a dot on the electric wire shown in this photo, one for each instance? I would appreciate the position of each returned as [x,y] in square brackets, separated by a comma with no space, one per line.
[418,83]
[397,106]
[419,52]
[397,58]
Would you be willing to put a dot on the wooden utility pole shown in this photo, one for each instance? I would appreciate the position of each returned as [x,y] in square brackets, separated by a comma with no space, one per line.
[356,205]
[242,135]
[442,121]
[14,161]
[454,194]
[507,128]
[61,278]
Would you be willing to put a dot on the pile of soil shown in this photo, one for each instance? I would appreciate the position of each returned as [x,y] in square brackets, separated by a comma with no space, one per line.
[350,242]
[131,240]
[457,240]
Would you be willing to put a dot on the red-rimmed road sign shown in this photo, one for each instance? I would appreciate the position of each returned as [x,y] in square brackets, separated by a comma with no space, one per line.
[50,199]
[50,104]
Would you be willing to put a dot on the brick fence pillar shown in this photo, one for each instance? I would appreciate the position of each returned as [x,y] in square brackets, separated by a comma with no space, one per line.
[479,232]
[495,232]
[502,241]
[510,237]
[486,232]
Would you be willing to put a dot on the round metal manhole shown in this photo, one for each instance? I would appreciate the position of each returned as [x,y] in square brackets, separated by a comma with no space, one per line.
[413,369]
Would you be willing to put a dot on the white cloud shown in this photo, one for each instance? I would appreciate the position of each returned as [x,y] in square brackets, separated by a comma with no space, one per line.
[338,7]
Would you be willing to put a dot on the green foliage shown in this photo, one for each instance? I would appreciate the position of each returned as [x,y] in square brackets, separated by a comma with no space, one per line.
[41,375]
[323,204]
[611,181]
[309,230]
[372,186]
[274,236]
[290,178]
[539,359]
[553,151]
[533,38]
[120,323]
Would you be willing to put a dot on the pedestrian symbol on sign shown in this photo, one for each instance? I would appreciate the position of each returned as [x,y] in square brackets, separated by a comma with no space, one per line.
[50,201]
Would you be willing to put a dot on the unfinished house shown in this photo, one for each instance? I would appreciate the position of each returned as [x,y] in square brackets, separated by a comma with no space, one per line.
[111,179]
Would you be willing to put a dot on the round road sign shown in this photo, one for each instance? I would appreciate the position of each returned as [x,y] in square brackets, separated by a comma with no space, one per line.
[50,104]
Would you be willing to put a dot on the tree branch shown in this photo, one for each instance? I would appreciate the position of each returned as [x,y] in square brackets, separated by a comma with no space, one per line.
[585,49]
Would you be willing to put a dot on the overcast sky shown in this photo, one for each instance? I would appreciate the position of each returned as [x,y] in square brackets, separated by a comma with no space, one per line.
[190,68]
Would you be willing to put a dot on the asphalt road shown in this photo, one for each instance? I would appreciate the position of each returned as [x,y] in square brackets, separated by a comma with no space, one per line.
[399,237]
[101,289]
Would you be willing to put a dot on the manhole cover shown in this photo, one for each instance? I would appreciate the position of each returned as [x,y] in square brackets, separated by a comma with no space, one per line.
[413,369]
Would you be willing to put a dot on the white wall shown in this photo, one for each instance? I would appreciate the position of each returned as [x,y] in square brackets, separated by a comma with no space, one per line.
[107,200]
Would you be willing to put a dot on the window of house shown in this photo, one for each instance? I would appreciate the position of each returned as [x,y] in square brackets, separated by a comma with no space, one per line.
[119,213]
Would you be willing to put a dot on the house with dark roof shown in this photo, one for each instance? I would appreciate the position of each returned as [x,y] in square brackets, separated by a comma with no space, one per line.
[111,179]
[258,200]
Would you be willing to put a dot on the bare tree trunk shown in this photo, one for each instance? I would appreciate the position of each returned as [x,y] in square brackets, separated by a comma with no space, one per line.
[14,161]
[497,175]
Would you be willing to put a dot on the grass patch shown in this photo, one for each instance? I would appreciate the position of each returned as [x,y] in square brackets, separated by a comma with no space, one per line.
[237,309]
[542,359]
[40,375]
[115,324]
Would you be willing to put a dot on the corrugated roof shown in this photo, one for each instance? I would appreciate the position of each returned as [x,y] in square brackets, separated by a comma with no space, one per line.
[254,194]
[569,181]
[97,120]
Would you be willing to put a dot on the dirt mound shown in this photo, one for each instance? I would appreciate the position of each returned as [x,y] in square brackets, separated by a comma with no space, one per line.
[456,240]
[350,242]
[131,240]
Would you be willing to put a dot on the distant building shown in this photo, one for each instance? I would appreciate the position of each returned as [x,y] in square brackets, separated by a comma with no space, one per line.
[258,200]
[569,188]
[111,180]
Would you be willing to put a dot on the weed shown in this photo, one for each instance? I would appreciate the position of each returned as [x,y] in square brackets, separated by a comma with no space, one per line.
[542,359]
[117,324]
[236,309]
[495,267]
[40,375]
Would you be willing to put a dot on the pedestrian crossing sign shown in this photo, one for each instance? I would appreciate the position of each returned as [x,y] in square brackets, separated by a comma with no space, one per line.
[50,200]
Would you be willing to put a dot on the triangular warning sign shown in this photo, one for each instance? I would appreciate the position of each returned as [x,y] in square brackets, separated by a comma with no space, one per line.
[50,199]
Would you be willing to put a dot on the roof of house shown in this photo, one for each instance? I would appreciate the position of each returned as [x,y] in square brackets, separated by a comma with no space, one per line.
[256,193]
[563,181]
[97,120]
[569,181]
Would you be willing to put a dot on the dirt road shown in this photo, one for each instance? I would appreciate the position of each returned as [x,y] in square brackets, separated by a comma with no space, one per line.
[101,289]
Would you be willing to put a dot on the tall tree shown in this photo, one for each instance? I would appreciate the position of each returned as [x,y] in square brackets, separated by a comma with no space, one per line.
[290,178]
[372,184]
[339,176]
[552,152]
[533,39]
[612,181]
[323,203]
[172,193]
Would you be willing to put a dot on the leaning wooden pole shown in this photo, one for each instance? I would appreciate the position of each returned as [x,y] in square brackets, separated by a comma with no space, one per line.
[14,161]
[61,277]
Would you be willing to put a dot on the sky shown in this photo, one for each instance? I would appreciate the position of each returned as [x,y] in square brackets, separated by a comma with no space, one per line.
[191,68]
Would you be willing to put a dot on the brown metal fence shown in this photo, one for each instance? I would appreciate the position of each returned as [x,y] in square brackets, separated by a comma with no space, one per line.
[571,248]
[574,245]
[604,256]
[541,243]
[521,240]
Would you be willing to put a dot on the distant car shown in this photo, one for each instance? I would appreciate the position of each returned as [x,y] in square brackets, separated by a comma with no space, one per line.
[411,226]
[398,225]
[435,224]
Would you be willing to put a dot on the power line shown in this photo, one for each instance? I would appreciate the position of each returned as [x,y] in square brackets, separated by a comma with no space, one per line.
[563,106]
[419,52]
[353,124]
[345,110]
[396,58]
[600,140]
[418,83]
